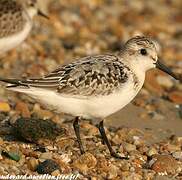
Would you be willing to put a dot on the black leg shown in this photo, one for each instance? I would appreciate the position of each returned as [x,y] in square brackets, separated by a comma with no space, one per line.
[76,127]
[106,141]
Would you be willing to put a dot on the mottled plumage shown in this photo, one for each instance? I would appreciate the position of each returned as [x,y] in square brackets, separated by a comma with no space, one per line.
[16,20]
[94,86]
[90,76]
[12,19]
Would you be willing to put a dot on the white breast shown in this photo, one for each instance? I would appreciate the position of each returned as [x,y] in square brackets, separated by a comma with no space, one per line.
[91,107]
[12,41]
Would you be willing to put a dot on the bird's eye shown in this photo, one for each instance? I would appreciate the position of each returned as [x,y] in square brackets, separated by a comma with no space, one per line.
[31,4]
[143,52]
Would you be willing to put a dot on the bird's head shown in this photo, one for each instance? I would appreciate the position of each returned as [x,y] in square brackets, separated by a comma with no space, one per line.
[141,53]
[33,9]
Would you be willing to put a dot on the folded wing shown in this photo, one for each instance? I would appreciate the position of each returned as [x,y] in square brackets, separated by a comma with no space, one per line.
[92,75]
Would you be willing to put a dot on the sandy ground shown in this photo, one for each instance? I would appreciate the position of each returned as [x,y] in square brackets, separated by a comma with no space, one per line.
[148,130]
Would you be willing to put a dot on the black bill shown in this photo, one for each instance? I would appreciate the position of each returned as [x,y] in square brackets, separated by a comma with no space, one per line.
[40,13]
[165,69]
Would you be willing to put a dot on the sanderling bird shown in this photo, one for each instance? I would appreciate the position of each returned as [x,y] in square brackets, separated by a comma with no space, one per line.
[16,20]
[95,87]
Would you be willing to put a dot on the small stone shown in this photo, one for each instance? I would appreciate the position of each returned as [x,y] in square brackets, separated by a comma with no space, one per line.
[65,158]
[138,141]
[56,173]
[47,167]
[164,164]
[64,164]
[65,143]
[1,141]
[125,166]
[4,107]
[165,81]
[156,116]
[176,97]
[151,83]
[23,110]
[177,155]
[172,148]
[14,169]
[41,113]
[46,155]
[129,147]
[143,149]
[180,110]
[2,171]
[133,176]
[32,164]
[91,130]
[51,148]
[151,152]
[113,172]
[148,174]
[1,157]
[33,129]
[94,178]
[86,162]
[12,155]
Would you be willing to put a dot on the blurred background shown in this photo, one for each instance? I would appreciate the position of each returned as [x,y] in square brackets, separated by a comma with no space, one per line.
[79,28]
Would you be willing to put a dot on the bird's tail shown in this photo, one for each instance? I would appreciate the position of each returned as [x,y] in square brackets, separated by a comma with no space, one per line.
[13,82]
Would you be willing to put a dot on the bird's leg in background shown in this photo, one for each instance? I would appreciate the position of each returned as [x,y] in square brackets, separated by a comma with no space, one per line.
[76,127]
[106,141]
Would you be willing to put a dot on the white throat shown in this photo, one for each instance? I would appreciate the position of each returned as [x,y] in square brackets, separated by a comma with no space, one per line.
[31,12]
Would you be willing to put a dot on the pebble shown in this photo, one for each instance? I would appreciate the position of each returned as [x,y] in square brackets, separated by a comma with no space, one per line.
[33,129]
[177,155]
[65,143]
[16,156]
[85,162]
[164,164]
[1,157]
[151,83]
[151,152]
[2,170]
[148,174]
[91,130]
[172,148]
[165,81]
[15,170]
[176,97]
[65,158]
[156,116]
[32,164]
[56,43]
[46,155]
[23,109]
[125,166]
[133,176]
[113,172]
[56,173]
[180,110]
[129,147]
[47,167]
[4,107]
[103,164]
[41,113]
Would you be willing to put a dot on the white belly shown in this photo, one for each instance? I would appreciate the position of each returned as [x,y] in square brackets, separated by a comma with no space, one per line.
[92,107]
[12,41]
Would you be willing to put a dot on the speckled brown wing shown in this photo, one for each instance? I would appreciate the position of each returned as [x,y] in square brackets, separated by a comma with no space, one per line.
[11,18]
[92,75]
